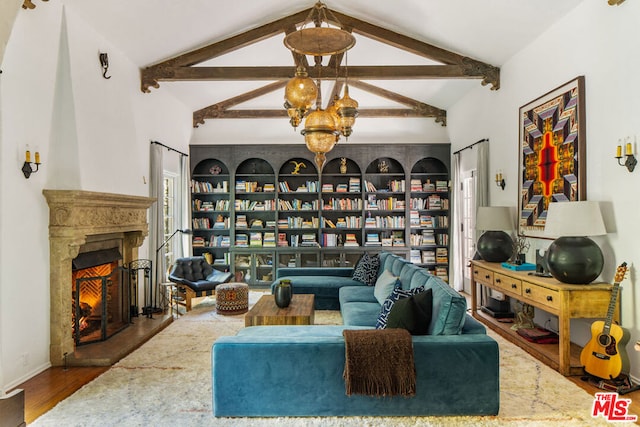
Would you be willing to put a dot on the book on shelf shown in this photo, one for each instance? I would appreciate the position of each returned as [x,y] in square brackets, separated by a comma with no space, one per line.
[268,188]
[329,240]
[255,239]
[351,240]
[309,239]
[428,257]
[327,188]
[428,237]
[269,239]
[442,256]
[414,256]
[442,185]
[373,239]
[241,221]
[414,218]
[387,241]
[354,185]
[328,223]
[242,240]
[198,242]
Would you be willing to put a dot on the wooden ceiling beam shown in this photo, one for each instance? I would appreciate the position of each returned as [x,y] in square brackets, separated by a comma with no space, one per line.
[422,109]
[213,111]
[222,47]
[363,72]
[282,114]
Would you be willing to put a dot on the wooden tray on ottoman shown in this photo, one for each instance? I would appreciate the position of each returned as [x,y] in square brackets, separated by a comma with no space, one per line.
[266,312]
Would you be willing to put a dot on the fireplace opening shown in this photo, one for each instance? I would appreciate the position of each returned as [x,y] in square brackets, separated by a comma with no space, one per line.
[100,298]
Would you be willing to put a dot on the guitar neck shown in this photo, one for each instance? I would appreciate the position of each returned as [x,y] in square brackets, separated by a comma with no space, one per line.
[612,306]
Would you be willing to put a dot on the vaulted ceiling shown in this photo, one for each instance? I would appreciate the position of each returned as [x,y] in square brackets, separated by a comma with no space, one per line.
[227,63]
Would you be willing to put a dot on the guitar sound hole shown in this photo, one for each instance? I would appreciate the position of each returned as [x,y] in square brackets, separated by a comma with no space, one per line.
[604,340]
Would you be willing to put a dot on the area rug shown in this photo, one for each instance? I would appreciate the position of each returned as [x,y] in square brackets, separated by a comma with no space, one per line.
[167,382]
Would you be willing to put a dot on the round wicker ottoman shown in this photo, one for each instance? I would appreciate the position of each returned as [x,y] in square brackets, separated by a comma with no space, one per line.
[232,298]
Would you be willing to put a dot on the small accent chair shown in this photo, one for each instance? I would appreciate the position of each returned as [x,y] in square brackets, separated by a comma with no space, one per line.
[195,277]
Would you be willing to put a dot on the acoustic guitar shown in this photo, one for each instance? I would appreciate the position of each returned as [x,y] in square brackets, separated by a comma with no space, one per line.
[600,356]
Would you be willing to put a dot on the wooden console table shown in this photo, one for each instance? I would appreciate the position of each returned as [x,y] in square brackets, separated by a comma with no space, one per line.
[562,300]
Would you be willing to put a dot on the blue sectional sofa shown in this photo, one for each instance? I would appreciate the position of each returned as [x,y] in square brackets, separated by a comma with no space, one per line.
[268,371]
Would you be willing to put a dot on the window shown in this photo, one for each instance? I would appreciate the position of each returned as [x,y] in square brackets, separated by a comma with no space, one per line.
[468,223]
[169,208]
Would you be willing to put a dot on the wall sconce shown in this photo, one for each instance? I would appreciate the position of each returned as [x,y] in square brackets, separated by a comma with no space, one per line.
[104,63]
[27,169]
[630,161]
[500,180]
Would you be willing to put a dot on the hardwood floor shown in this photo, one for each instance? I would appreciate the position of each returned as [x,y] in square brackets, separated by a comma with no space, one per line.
[45,390]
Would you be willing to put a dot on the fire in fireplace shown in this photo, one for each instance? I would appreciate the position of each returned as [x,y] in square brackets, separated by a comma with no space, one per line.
[100,303]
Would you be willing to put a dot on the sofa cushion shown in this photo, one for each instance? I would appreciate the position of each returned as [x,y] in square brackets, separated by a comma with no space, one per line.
[398,264]
[412,313]
[384,286]
[357,293]
[388,304]
[407,273]
[358,313]
[449,308]
[366,269]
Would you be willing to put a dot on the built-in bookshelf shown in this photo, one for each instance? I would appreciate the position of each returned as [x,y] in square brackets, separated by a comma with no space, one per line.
[429,216]
[210,212]
[273,208]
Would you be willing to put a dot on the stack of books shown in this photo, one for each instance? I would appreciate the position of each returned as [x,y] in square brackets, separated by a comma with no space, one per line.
[350,240]
[373,239]
[269,239]
[255,240]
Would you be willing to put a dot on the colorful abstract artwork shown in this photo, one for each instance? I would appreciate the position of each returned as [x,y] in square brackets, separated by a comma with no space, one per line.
[552,151]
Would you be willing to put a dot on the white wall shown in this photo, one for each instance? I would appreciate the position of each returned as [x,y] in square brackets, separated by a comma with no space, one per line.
[93,134]
[602,43]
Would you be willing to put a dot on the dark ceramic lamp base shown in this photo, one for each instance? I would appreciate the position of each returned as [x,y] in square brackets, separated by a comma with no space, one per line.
[495,246]
[575,260]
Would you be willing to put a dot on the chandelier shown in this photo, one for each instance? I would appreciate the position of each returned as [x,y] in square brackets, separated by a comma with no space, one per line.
[322,128]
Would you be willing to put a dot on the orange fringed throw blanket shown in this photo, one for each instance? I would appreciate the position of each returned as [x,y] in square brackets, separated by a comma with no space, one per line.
[379,362]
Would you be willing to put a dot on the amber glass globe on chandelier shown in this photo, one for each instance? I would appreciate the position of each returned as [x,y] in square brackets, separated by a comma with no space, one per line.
[322,127]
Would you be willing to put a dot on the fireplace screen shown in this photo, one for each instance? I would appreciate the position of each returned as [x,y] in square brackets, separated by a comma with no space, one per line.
[100,302]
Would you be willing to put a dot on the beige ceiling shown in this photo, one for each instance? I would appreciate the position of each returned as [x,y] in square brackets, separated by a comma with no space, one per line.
[151,31]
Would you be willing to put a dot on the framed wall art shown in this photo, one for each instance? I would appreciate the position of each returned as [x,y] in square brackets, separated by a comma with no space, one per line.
[552,154]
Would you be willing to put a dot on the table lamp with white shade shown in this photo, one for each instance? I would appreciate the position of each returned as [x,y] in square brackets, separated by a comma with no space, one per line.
[573,257]
[494,245]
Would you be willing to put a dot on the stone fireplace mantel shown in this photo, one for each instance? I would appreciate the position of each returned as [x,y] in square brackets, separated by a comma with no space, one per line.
[75,215]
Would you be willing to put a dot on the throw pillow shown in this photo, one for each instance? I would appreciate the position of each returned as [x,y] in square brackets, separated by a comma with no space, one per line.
[412,313]
[366,269]
[384,286]
[388,304]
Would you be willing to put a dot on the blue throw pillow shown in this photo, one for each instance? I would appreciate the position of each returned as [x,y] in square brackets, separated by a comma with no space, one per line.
[366,269]
[384,286]
[388,304]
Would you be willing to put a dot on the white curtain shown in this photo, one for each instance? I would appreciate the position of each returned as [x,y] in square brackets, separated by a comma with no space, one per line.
[457,273]
[156,223]
[482,182]
[482,195]
[183,214]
